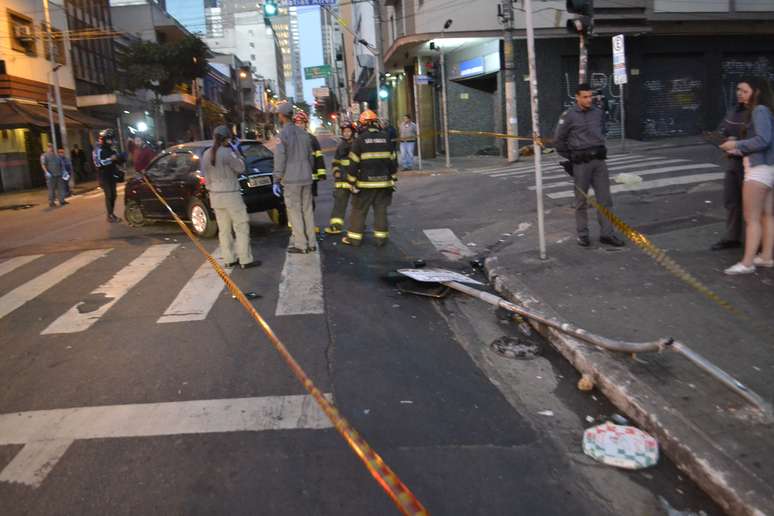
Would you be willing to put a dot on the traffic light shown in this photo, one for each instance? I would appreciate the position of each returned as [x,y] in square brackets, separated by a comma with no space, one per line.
[269,8]
[584,21]
[384,91]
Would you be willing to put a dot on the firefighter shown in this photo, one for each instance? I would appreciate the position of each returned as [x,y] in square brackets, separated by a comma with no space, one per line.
[372,176]
[342,187]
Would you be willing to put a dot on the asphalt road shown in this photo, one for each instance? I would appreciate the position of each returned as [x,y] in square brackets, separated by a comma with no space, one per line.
[179,431]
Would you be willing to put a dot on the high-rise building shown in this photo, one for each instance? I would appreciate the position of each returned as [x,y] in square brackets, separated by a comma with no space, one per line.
[285,27]
[237,27]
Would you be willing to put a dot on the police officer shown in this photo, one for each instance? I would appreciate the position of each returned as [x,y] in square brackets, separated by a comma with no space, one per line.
[372,177]
[341,191]
[106,159]
[580,138]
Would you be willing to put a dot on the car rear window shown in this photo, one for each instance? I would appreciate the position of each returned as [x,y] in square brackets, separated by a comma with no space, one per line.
[257,157]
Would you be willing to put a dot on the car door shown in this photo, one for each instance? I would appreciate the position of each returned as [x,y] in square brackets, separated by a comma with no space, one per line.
[156,173]
[176,183]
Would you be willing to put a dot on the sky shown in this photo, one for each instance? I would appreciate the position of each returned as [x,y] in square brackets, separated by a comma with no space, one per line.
[190,13]
[311,46]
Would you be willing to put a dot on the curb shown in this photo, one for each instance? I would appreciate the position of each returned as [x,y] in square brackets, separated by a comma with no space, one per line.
[690,446]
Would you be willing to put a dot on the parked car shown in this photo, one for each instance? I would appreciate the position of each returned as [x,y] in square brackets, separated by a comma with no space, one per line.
[179,177]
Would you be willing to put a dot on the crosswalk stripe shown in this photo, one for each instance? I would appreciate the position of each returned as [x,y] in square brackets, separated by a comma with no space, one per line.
[647,185]
[300,288]
[622,167]
[447,243]
[83,315]
[198,296]
[556,168]
[33,288]
[661,170]
[14,263]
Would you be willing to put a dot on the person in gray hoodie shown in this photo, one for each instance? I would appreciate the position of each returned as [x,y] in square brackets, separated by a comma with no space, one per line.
[293,173]
[222,166]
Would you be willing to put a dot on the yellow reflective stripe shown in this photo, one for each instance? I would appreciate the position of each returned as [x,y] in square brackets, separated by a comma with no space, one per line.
[338,221]
[381,234]
[322,171]
[318,154]
[351,179]
[376,155]
[375,184]
[344,162]
[335,162]
[354,157]
[393,155]
[356,236]
[342,184]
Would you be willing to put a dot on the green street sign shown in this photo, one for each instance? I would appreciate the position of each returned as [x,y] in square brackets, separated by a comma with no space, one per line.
[317,72]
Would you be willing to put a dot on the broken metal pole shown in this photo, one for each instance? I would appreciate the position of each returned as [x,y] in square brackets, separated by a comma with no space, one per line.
[621,346]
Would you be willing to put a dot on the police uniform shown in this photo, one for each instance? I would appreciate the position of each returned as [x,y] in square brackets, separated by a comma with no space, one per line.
[580,137]
[341,191]
[372,177]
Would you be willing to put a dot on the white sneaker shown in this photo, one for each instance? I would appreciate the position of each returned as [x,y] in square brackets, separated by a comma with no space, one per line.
[740,268]
[760,262]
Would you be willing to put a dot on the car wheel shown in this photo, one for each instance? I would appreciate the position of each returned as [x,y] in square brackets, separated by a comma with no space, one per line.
[202,223]
[134,215]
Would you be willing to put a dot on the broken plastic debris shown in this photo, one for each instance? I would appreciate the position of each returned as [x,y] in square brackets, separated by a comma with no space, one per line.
[589,419]
[585,383]
[618,419]
[418,264]
[406,402]
[472,244]
[621,446]
[548,413]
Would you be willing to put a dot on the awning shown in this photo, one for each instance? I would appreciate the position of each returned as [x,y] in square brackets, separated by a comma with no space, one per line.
[365,94]
[17,114]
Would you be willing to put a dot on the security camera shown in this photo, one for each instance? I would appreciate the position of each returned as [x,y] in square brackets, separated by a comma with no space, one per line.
[447,24]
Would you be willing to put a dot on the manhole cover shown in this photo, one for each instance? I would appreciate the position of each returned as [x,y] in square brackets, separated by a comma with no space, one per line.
[514,348]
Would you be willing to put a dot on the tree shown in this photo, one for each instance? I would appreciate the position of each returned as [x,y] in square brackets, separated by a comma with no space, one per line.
[304,106]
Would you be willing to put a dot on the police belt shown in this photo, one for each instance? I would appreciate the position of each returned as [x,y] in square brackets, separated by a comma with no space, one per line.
[586,155]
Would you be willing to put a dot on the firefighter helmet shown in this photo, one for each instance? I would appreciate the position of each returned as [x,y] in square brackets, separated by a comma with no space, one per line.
[368,117]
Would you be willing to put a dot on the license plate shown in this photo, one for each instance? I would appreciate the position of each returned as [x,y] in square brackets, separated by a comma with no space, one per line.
[252,182]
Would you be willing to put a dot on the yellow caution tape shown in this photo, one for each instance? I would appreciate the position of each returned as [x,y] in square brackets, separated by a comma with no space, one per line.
[660,256]
[401,495]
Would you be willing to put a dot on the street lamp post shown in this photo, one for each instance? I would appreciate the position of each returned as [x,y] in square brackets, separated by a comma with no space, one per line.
[446,25]
[55,70]
[242,76]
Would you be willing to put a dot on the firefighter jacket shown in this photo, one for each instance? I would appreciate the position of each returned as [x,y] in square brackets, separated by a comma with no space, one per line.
[341,164]
[372,161]
[319,172]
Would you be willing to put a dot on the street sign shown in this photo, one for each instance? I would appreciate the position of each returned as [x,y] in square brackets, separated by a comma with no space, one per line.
[422,79]
[321,92]
[619,60]
[304,3]
[317,72]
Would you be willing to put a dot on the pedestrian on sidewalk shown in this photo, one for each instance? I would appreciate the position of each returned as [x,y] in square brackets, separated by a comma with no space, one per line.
[67,170]
[757,150]
[53,168]
[293,172]
[408,142]
[341,190]
[580,137]
[222,167]
[732,128]
[106,159]
[372,177]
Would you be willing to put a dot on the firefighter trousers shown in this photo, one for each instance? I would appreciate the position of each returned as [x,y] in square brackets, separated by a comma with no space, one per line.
[340,201]
[380,199]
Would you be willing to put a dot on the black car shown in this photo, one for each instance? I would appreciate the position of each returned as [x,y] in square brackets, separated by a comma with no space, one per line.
[178,176]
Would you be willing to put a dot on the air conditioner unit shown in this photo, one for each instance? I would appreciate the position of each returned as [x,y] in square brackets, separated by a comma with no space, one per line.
[23,33]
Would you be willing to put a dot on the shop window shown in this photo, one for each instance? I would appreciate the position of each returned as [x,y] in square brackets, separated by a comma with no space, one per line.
[22,31]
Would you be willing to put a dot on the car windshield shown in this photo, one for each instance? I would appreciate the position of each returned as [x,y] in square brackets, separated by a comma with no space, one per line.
[257,156]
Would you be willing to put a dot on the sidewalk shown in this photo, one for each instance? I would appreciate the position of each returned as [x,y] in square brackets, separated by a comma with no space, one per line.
[23,199]
[723,444]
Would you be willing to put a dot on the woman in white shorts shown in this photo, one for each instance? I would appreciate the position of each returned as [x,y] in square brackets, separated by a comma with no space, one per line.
[757,196]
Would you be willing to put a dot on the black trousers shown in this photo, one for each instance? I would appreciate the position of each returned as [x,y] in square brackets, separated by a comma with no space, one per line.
[732,199]
[108,184]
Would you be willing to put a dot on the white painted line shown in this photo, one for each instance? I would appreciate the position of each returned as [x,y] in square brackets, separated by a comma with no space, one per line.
[198,296]
[84,314]
[448,244]
[647,185]
[11,264]
[46,434]
[300,288]
[661,170]
[556,168]
[33,288]
[34,462]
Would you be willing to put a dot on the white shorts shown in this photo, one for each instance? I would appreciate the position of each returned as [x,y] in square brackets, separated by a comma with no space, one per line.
[763,174]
